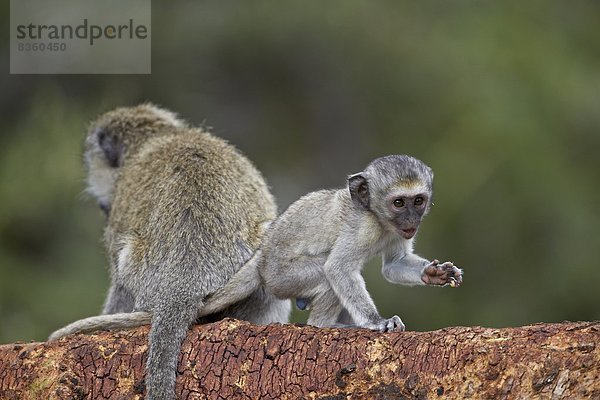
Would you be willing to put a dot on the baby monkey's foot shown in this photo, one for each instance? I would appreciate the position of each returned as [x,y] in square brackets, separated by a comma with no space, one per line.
[442,274]
[393,324]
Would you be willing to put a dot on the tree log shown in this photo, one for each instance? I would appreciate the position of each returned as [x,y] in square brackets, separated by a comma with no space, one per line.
[233,359]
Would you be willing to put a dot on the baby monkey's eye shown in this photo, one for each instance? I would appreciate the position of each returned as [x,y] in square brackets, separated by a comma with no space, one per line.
[399,203]
[419,201]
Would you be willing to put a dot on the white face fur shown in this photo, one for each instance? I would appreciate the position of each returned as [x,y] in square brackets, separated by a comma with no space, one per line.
[411,189]
[101,179]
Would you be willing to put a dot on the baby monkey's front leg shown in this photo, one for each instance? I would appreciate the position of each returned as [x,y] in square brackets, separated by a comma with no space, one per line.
[410,269]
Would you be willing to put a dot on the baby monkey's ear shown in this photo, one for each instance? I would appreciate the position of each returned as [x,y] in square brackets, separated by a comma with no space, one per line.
[359,190]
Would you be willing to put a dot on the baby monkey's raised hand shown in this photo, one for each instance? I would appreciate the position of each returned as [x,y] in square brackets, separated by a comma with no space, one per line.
[442,274]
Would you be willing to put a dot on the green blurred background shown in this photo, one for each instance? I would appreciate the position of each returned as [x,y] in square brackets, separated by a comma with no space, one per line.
[501,99]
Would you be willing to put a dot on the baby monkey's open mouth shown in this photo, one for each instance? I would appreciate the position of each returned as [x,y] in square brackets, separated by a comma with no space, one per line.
[409,233]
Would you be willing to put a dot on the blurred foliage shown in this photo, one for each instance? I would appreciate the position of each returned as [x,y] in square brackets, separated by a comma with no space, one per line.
[502,99]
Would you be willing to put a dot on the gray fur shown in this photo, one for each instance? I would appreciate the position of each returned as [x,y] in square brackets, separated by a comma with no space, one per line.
[118,300]
[104,322]
[316,249]
[185,211]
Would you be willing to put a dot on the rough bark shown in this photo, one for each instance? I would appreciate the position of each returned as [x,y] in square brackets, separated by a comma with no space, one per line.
[232,359]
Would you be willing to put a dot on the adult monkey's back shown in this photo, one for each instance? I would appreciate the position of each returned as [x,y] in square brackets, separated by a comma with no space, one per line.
[185,211]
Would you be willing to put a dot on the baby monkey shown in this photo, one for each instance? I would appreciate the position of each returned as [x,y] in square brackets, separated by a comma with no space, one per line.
[315,251]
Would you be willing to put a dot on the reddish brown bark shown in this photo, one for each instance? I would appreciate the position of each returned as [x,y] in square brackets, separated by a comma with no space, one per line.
[232,359]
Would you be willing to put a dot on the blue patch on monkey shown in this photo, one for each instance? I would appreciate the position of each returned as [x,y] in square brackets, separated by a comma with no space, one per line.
[302,303]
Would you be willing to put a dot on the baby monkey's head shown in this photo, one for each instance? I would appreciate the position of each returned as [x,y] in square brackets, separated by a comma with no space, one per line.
[397,189]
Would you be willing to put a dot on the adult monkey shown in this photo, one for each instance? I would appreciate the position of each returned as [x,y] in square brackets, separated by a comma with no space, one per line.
[185,210]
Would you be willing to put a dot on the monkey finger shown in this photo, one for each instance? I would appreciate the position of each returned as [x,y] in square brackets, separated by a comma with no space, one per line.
[434,271]
[459,277]
[448,265]
[456,273]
